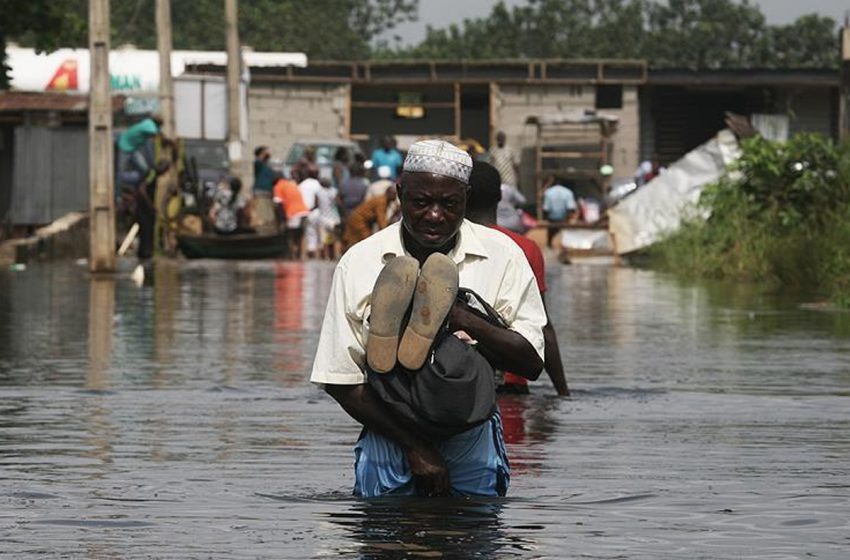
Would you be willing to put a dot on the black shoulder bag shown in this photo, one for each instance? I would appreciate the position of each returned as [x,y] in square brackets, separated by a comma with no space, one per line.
[453,392]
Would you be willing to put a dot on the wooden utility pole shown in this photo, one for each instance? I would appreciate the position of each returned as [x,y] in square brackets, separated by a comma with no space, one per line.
[166,109]
[844,90]
[234,70]
[166,84]
[101,176]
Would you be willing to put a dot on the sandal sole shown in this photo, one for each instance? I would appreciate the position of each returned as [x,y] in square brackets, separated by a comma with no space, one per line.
[390,300]
[435,294]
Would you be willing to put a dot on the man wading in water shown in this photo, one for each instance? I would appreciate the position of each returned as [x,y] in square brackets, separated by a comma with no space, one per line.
[391,457]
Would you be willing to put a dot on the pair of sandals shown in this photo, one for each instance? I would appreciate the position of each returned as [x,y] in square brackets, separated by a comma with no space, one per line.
[427,295]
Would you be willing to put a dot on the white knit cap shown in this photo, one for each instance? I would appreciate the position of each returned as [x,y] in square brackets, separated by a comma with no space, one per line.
[439,157]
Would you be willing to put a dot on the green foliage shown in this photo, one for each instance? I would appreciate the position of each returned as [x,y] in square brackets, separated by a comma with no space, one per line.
[44,25]
[679,33]
[782,215]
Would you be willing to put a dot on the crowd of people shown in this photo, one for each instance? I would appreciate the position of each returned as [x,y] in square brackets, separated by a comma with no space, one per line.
[322,212]
[324,216]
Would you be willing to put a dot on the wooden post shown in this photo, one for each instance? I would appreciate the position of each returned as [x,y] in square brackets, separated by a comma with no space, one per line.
[495,100]
[234,67]
[166,84]
[101,176]
[166,109]
[844,89]
[457,111]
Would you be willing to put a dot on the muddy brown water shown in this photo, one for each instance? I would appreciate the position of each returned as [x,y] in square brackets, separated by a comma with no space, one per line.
[175,420]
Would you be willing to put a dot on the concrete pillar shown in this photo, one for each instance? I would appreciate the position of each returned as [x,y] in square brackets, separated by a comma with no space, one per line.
[101,175]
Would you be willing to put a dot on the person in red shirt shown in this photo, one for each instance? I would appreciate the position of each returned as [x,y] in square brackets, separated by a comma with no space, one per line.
[481,202]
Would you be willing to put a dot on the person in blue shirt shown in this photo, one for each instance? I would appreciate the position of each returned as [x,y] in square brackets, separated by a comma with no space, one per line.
[264,177]
[387,155]
[559,205]
[133,164]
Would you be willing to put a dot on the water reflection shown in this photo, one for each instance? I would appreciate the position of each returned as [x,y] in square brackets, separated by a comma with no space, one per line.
[707,421]
[528,425]
[415,528]
[101,315]
[289,302]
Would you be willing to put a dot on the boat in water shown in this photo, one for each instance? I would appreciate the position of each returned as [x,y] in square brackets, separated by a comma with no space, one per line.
[236,246]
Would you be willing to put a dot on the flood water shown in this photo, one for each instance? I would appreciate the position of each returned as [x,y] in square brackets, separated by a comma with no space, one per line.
[175,420]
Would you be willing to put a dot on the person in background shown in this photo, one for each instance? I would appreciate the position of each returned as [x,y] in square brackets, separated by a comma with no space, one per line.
[504,160]
[304,163]
[341,167]
[329,219]
[481,208]
[379,187]
[264,178]
[310,188]
[230,214]
[133,164]
[146,209]
[559,205]
[648,170]
[378,212]
[353,190]
[508,214]
[387,155]
[293,213]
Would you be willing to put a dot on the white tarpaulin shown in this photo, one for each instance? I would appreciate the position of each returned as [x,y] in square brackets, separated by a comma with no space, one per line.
[657,209]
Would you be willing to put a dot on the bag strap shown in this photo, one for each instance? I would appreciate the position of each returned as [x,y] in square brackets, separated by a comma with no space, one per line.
[491,315]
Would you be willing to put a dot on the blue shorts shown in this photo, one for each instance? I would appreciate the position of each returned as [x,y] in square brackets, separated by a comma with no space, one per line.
[477,462]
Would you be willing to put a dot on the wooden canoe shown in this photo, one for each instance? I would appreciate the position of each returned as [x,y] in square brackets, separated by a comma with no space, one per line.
[237,246]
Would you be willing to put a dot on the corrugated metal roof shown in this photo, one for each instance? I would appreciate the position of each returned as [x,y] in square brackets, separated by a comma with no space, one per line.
[18,101]
[745,76]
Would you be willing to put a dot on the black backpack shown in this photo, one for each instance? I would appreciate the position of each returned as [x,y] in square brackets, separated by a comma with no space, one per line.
[453,392]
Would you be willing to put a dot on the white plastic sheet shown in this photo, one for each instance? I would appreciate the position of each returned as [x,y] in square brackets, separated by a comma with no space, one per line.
[658,208]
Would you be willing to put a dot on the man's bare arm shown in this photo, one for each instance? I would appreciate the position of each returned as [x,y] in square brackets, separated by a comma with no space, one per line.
[426,464]
[552,356]
[506,349]
[552,362]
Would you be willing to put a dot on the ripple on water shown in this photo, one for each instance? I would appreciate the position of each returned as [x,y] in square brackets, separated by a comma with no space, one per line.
[704,423]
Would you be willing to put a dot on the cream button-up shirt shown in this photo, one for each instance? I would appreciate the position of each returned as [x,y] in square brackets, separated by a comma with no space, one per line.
[489,263]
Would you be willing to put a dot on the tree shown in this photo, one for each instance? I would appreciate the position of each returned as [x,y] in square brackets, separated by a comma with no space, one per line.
[43,24]
[809,42]
[676,33]
[705,34]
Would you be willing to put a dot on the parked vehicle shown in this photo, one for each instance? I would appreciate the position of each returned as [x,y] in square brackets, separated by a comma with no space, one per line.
[325,150]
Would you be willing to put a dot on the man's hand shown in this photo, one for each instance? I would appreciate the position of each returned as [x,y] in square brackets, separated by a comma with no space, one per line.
[459,316]
[430,473]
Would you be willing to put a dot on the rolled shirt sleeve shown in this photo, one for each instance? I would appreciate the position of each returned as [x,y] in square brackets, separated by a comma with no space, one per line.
[340,355]
[519,302]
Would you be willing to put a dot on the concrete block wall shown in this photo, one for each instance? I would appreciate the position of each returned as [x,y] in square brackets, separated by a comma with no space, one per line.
[280,114]
[514,103]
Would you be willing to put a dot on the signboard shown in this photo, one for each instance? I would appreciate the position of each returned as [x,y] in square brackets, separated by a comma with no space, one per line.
[131,70]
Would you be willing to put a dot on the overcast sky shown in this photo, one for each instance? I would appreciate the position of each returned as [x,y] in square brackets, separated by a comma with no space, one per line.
[441,13]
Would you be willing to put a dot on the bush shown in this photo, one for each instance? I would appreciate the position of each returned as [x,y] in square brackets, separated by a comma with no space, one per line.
[781,215]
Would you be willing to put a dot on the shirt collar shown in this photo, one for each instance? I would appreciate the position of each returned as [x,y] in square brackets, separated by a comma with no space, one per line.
[468,245]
